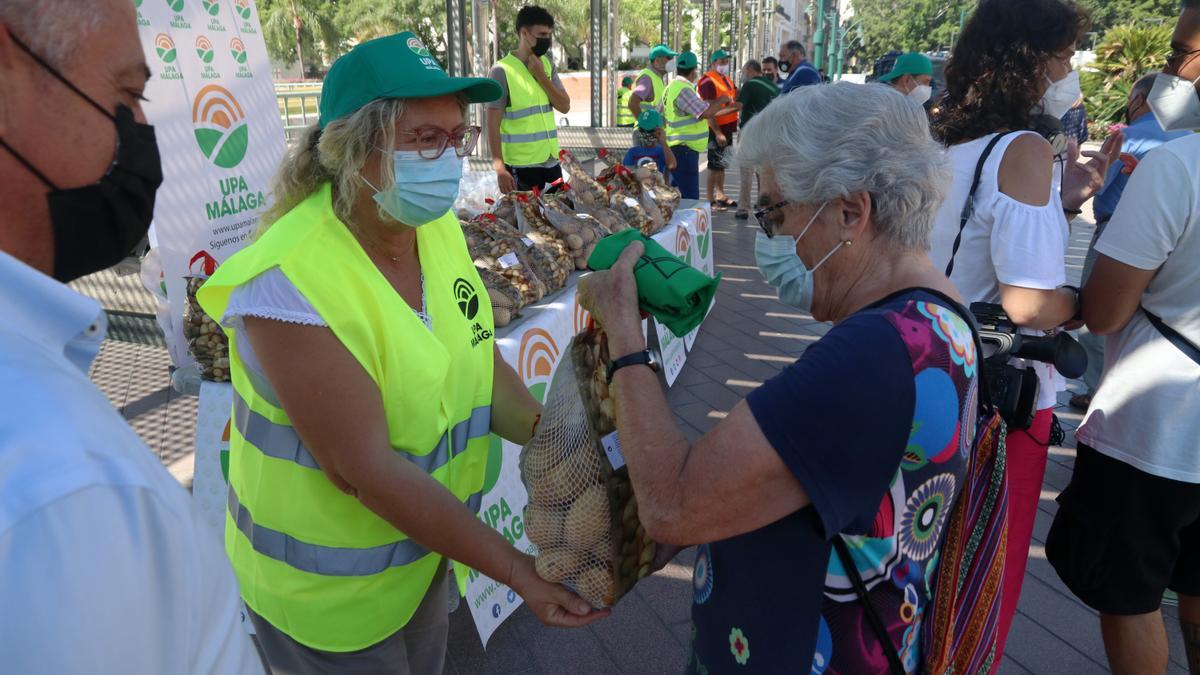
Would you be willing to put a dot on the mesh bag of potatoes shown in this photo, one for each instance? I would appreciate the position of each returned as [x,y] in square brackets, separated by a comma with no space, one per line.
[505,257]
[584,188]
[580,231]
[582,513]
[205,340]
[654,185]
[549,249]
[620,179]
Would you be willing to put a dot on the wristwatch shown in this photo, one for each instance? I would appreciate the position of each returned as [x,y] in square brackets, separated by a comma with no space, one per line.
[645,357]
[1078,302]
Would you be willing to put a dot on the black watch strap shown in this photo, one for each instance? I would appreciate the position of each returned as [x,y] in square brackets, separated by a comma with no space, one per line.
[1078,302]
[643,357]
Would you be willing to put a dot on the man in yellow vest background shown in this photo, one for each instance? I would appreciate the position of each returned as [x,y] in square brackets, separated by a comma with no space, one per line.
[651,83]
[522,134]
[716,86]
[688,117]
[625,116]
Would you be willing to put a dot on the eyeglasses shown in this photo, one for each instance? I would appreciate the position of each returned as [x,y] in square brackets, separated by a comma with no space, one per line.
[760,216]
[433,141]
[1175,56]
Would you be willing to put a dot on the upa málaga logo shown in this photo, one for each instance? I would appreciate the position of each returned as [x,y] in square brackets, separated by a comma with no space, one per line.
[238,49]
[204,49]
[245,11]
[220,126]
[165,48]
[213,7]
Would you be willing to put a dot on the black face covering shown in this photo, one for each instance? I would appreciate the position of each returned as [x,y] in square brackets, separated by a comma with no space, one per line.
[541,46]
[96,226]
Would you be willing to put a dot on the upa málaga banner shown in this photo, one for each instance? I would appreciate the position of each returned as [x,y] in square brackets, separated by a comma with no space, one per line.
[212,102]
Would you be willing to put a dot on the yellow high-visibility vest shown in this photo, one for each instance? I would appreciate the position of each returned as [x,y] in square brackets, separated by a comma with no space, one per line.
[684,129]
[624,115]
[528,135]
[310,559]
[660,88]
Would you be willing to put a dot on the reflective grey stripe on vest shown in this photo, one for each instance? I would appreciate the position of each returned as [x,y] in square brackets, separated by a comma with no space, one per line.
[332,561]
[282,442]
[683,122]
[687,137]
[529,138]
[526,112]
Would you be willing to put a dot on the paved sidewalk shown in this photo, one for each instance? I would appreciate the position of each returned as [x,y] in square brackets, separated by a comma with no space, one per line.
[748,338]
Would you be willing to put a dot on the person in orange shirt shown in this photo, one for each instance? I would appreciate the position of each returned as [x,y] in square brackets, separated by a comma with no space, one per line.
[716,86]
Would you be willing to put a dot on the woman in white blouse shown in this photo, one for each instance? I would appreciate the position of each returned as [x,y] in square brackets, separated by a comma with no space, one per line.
[1010,73]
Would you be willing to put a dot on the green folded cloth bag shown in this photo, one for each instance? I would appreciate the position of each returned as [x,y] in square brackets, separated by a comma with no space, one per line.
[672,291]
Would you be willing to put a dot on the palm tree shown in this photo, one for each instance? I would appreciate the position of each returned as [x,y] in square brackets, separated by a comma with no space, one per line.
[1123,55]
[298,22]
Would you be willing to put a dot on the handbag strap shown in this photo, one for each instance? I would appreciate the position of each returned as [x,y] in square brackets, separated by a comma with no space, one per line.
[1173,336]
[860,589]
[969,208]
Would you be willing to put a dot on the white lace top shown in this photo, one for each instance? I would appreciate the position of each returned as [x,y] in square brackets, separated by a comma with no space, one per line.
[271,295]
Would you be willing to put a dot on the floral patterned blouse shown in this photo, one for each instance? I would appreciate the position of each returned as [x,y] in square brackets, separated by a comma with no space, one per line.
[876,421]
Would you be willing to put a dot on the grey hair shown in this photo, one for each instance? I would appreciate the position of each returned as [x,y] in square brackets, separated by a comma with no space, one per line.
[53,29]
[1143,86]
[887,151]
[753,66]
[796,46]
[336,154]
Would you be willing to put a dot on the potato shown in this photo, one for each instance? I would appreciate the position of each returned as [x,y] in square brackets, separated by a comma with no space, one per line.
[565,480]
[587,522]
[556,565]
[544,525]
[595,584]
[574,242]
[501,316]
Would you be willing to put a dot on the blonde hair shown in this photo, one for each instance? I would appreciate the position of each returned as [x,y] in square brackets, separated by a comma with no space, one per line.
[335,155]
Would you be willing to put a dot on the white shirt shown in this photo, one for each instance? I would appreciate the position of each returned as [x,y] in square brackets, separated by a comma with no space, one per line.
[104,565]
[1147,410]
[1005,241]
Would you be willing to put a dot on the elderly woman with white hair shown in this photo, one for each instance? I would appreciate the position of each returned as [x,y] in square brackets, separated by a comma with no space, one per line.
[866,437]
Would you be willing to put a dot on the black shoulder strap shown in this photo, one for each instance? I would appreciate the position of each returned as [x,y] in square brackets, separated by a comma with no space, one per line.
[860,589]
[1173,336]
[969,207]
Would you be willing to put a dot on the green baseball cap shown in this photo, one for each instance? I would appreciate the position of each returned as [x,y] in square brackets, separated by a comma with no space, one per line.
[660,51]
[719,54]
[397,66]
[626,81]
[686,60]
[649,120]
[911,63]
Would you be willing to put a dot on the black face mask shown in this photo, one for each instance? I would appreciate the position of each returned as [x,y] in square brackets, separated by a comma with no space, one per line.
[96,226]
[541,46]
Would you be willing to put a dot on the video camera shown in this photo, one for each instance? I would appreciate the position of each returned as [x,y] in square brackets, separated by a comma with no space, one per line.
[1015,390]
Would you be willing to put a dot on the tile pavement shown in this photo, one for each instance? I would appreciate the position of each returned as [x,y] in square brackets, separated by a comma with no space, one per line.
[749,337]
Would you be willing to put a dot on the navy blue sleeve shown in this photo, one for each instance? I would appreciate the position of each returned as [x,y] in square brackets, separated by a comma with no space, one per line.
[629,158]
[807,76]
[840,418]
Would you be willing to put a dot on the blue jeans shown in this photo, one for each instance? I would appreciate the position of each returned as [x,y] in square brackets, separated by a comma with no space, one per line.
[686,175]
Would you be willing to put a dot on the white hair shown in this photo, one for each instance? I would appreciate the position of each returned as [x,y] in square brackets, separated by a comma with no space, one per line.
[53,29]
[829,141]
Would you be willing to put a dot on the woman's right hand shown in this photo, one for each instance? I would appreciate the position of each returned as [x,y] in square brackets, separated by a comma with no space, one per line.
[552,604]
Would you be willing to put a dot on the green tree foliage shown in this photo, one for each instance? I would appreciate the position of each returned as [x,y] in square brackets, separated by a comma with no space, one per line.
[300,31]
[363,20]
[1125,54]
[929,25]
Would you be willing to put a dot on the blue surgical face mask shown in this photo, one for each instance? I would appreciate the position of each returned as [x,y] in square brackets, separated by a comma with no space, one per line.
[424,189]
[783,269]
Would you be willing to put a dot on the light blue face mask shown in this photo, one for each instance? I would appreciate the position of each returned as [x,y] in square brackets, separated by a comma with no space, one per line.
[783,269]
[424,190]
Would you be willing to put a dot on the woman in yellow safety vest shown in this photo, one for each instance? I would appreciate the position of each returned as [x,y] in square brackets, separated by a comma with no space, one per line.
[366,382]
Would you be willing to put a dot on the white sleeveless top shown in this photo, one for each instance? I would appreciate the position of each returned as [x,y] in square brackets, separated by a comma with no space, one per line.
[1005,241]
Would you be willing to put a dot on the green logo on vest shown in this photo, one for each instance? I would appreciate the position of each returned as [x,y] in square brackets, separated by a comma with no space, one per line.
[467,298]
